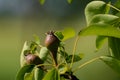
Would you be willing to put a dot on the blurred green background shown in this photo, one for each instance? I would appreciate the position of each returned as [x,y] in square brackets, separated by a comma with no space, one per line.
[21,19]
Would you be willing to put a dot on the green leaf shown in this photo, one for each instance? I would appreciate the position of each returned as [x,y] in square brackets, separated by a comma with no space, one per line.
[33,47]
[93,8]
[68,33]
[76,58]
[23,71]
[37,39]
[69,1]
[22,59]
[108,8]
[63,53]
[104,19]
[59,35]
[117,5]
[100,40]
[101,30]
[112,62]
[39,74]
[114,46]
[62,68]
[29,76]
[62,78]
[53,74]
[43,53]
[42,2]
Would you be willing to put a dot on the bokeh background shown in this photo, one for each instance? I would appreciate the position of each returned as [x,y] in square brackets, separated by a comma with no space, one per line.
[21,19]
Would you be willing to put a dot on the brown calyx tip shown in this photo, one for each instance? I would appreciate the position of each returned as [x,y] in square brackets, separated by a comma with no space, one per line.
[50,33]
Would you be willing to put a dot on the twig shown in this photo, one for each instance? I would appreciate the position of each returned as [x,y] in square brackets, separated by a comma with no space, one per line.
[74,50]
[86,63]
[113,7]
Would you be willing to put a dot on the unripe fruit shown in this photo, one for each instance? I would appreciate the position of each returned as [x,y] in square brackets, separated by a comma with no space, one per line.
[33,59]
[51,40]
[52,43]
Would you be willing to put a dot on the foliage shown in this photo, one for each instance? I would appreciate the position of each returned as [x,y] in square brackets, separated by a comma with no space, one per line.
[112,62]
[99,24]
[56,63]
[43,1]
